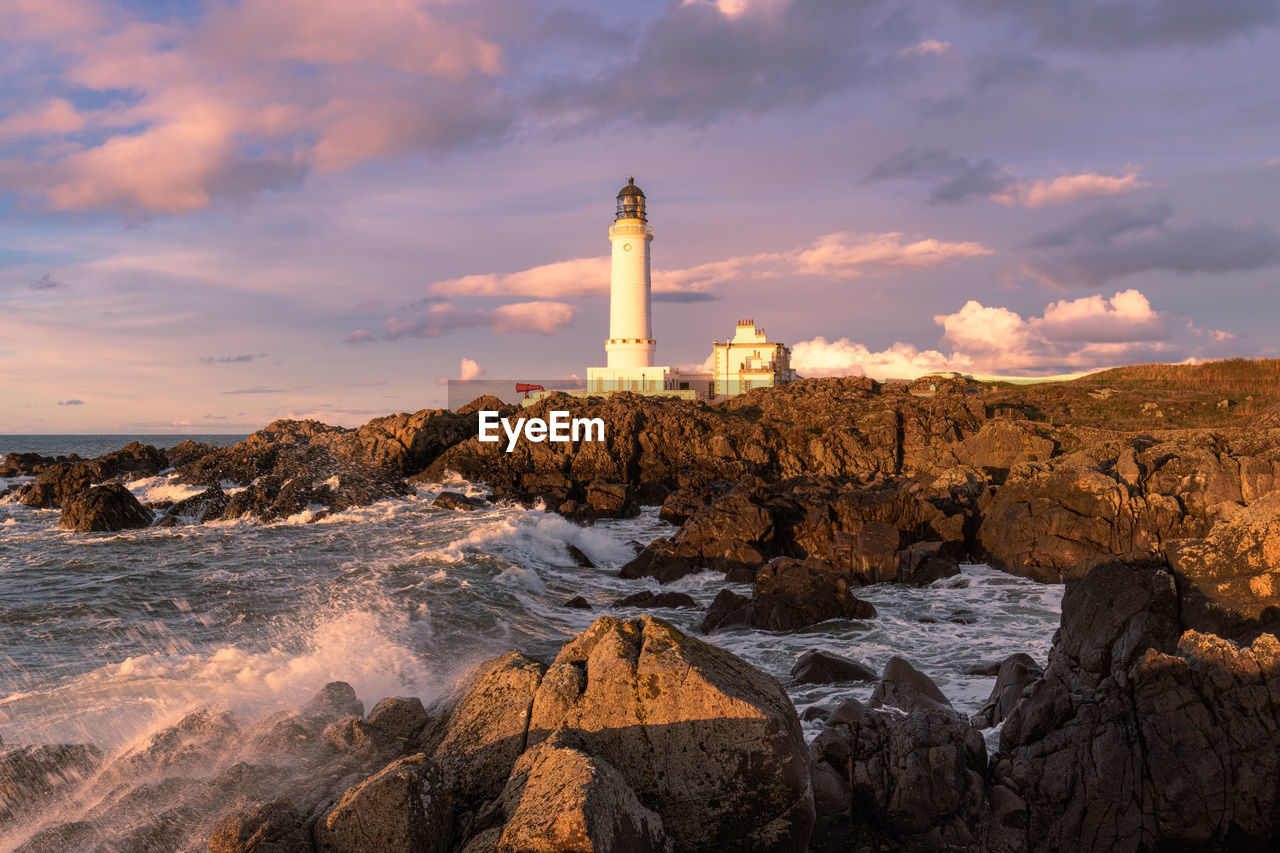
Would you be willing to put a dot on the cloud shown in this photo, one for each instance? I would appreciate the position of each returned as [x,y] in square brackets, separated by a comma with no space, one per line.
[468,369]
[700,60]
[1067,189]
[1071,335]
[956,179]
[928,47]
[848,255]
[245,97]
[538,318]
[1106,25]
[839,255]
[1113,242]
[359,336]
[56,116]
[257,389]
[71,402]
[1275,162]
[230,359]
[46,282]
[559,280]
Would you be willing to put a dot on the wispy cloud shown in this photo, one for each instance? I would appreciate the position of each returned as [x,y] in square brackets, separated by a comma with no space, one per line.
[839,255]
[928,47]
[956,179]
[231,359]
[257,389]
[536,318]
[46,283]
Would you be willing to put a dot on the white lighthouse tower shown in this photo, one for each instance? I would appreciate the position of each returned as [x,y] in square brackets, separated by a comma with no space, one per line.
[630,345]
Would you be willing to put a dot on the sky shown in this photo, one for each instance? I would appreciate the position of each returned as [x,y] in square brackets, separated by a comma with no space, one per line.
[214,214]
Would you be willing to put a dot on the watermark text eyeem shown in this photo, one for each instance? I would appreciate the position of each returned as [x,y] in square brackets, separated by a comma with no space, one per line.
[558,426]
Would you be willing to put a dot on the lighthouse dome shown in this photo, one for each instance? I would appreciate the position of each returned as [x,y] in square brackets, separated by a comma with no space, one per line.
[631,202]
[630,189]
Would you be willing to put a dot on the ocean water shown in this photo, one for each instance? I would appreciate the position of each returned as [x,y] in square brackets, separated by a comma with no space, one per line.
[105,637]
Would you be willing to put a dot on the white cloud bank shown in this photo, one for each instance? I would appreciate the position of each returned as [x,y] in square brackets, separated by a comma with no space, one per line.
[1092,332]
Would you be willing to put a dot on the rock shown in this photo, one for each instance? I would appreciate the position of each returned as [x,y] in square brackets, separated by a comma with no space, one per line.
[819,667]
[792,594]
[907,688]
[883,781]
[55,486]
[727,608]
[814,712]
[270,827]
[187,451]
[456,501]
[659,560]
[1174,752]
[335,700]
[611,500]
[681,504]
[73,835]
[480,730]
[1229,583]
[870,555]
[1113,610]
[104,508]
[404,807]
[579,557]
[1016,673]
[191,744]
[922,563]
[655,600]
[397,720]
[33,776]
[560,799]
[209,504]
[578,603]
[700,737]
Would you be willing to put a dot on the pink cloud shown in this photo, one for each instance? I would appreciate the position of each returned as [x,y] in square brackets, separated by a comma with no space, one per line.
[248,97]
[57,116]
[846,254]
[840,255]
[1067,189]
[928,47]
[537,318]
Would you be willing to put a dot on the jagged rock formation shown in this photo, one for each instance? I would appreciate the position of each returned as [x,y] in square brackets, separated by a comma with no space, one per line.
[635,738]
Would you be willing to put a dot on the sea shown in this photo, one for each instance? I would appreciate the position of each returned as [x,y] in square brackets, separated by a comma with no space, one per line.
[107,637]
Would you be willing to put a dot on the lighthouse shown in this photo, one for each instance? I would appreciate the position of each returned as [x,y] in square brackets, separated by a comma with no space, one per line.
[630,347]
[630,342]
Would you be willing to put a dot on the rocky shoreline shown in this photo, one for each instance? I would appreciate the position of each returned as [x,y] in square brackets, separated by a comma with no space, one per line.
[1151,726]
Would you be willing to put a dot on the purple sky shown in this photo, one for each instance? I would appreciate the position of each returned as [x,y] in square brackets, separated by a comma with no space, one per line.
[213,214]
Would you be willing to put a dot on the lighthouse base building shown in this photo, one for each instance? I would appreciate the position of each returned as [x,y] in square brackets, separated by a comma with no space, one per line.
[748,360]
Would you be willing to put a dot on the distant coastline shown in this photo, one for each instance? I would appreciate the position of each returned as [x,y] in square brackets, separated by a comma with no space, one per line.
[89,445]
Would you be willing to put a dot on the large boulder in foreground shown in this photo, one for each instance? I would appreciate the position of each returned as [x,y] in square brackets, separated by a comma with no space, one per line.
[704,740]
[561,799]
[481,728]
[104,508]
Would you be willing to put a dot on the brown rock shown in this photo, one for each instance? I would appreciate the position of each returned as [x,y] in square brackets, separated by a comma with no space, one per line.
[560,799]
[704,740]
[404,807]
